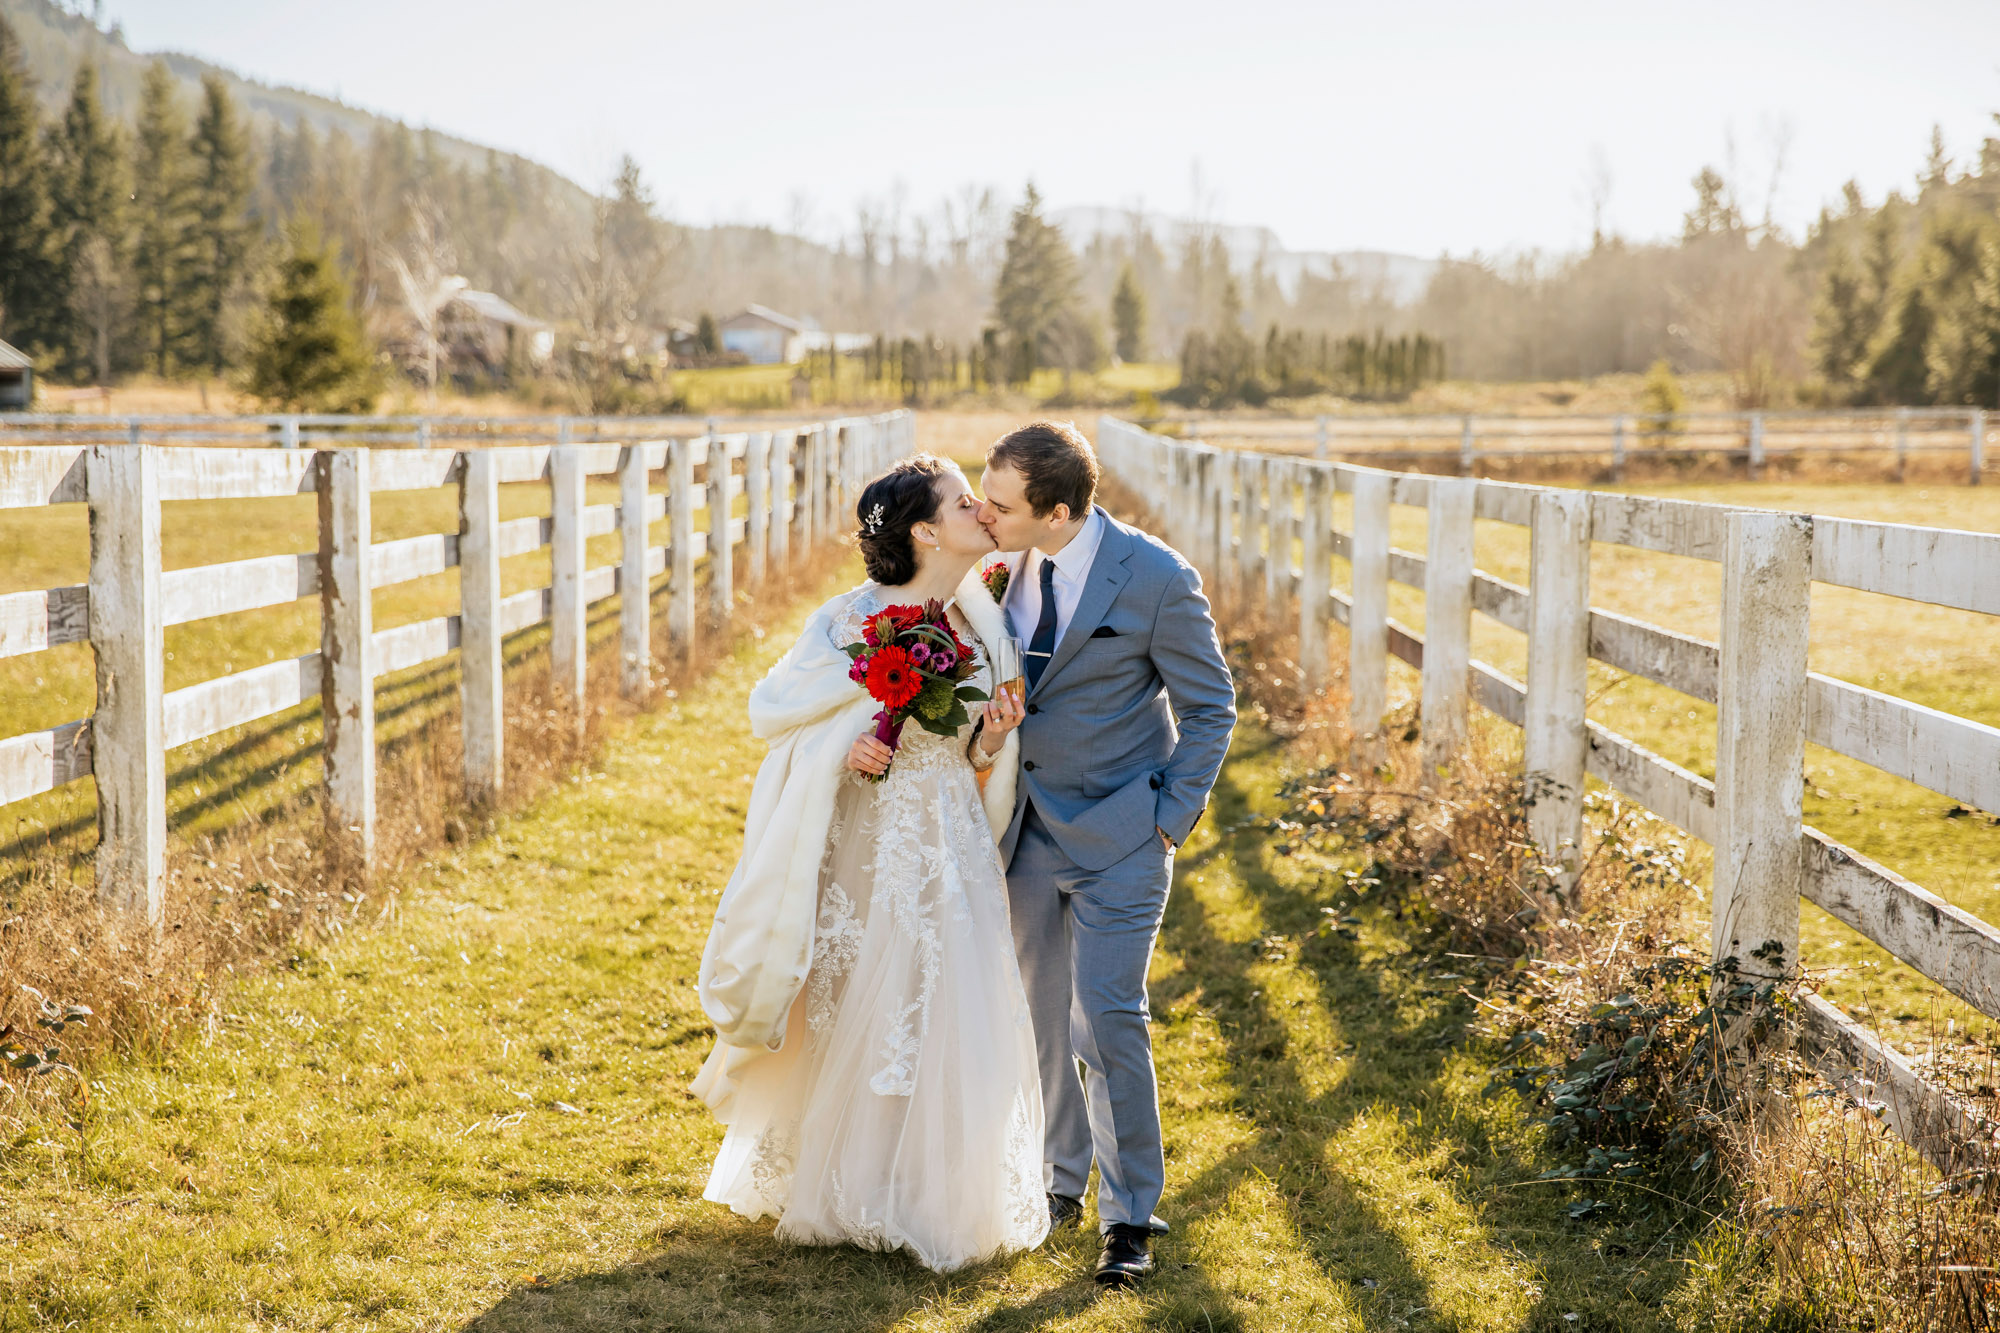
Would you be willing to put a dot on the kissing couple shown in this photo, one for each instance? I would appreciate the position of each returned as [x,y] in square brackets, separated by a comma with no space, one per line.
[927,972]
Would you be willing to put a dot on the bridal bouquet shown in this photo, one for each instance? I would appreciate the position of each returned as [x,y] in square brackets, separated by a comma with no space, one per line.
[911,663]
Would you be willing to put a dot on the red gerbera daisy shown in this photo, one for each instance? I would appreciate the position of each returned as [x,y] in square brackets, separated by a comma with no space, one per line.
[891,678]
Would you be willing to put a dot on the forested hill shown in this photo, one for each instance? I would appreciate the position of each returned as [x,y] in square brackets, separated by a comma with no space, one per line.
[54,43]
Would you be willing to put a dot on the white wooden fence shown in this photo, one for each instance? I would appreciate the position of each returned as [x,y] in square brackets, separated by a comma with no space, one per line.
[1893,436]
[1242,516]
[795,485]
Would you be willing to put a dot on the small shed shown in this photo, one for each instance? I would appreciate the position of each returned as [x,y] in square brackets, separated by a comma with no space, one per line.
[17,380]
[486,332]
[760,333]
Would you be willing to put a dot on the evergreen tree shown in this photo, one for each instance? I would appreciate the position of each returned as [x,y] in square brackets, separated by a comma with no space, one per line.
[706,340]
[1035,297]
[1962,355]
[88,193]
[1128,315]
[1843,321]
[163,232]
[309,352]
[221,200]
[27,273]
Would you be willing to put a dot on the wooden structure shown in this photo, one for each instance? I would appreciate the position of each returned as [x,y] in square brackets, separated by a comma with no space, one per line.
[1770,704]
[767,498]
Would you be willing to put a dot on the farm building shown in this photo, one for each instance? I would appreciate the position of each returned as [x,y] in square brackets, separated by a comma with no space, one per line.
[485,332]
[761,333]
[17,380]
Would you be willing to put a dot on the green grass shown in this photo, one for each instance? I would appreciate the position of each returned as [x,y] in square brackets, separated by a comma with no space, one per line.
[475,1114]
[1931,655]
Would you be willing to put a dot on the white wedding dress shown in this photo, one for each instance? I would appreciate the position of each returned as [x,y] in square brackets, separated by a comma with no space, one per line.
[904,1110]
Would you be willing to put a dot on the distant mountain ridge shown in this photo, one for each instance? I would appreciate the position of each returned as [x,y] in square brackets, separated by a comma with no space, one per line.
[54,43]
[1400,279]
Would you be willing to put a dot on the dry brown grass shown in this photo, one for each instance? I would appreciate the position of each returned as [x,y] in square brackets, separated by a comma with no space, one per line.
[263,890]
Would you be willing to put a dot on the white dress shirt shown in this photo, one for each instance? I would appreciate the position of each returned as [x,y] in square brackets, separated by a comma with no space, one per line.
[1024,592]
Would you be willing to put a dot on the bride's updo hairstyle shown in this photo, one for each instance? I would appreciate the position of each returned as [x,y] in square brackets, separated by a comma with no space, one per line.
[904,495]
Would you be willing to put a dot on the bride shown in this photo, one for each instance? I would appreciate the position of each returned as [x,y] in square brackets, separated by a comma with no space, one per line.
[875,1064]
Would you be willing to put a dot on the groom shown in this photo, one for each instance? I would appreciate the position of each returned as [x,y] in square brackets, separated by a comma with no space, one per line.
[1130,707]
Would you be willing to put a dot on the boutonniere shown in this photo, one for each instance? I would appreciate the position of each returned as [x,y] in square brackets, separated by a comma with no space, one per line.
[995,577]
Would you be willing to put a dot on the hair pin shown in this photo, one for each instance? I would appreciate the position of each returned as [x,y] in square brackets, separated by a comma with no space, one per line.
[874,522]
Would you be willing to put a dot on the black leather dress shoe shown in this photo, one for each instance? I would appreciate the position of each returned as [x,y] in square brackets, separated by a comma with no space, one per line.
[1064,1211]
[1127,1257]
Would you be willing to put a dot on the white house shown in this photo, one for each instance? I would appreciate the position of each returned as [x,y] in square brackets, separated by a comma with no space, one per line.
[760,333]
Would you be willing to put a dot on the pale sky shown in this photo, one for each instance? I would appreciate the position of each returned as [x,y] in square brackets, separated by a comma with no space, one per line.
[1411,127]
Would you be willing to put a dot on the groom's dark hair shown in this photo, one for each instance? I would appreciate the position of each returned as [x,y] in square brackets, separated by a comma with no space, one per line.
[1056,464]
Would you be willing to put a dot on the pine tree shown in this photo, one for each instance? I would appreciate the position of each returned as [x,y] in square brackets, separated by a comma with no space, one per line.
[163,219]
[27,275]
[221,201]
[88,192]
[1843,321]
[1128,315]
[1037,288]
[309,352]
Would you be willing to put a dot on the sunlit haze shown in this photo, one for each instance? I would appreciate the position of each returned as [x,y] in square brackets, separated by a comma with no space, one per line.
[1421,129]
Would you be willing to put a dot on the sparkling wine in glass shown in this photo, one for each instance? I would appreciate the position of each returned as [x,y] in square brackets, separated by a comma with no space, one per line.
[1007,670]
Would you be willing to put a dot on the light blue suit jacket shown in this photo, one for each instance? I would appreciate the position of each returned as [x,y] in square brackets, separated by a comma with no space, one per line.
[1128,725]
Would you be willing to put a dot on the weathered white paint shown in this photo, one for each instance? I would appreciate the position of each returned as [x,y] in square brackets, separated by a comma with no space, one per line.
[518,536]
[568,653]
[1368,642]
[781,498]
[32,621]
[1674,527]
[1447,620]
[1951,755]
[1406,568]
[1674,660]
[37,761]
[680,546]
[1760,740]
[721,487]
[42,474]
[481,693]
[1502,601]
[1662,786]
[1943,566]
[412,557]
[1555,743]
[128,727]
[214,705]
[1277,533]
[1950,1135]
[1316,517]
[407,470]
[1947,944]
[635,607]
[1507,502]
[346,645]
[757,498]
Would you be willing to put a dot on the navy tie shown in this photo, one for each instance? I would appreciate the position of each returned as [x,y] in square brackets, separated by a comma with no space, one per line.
[1043,646]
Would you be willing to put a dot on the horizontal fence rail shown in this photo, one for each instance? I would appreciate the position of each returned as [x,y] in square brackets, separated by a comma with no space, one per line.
[1460,444]
[1242,516]
[295,430]
[793,485]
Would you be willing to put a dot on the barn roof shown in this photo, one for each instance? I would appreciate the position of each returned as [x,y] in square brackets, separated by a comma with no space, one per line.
[12,358]
[487,305]
[764,312]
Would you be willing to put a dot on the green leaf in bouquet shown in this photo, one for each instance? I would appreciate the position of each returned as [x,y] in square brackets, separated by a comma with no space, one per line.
[972,694]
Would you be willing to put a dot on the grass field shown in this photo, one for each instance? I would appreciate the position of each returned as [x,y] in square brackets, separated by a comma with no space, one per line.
[1932,655]
[475,1115]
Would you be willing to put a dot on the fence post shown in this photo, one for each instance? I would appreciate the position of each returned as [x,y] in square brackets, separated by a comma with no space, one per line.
[1756,445]
[567,653]
[288,430]
[1319,437]
[1902,442]
[346,647]
[562,430]
[1618,448]
[781,504]
[1978,444]
[635,600]
[757,495]
[482,706]
[1447,620]
[1556,740]
[1314,575]
[1760,741]
[423,432]
[815,486]
[721,553]
[1368,617]
[128,728]
[1249,527]
[680,551]
[1277,536]
[1465,449]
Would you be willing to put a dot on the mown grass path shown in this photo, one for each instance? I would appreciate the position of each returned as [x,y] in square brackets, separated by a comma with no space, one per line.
[473,1115]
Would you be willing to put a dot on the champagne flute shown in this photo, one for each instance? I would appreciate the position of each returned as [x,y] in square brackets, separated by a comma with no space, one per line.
[1007,666]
